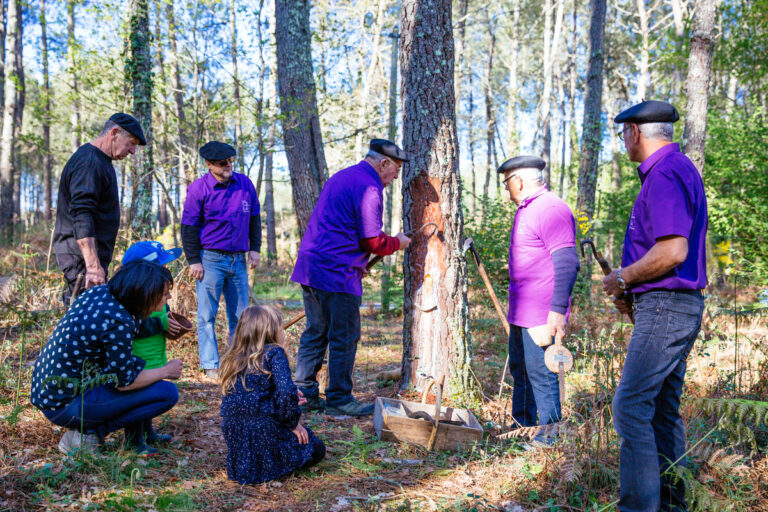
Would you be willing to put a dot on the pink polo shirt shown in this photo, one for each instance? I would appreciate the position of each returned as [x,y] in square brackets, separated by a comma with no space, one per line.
[543,225]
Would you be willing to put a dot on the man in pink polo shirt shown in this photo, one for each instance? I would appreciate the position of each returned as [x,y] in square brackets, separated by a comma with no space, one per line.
[543,264]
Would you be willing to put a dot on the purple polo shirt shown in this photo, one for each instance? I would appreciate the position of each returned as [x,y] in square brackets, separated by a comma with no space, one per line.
[222,210]
[543,225]
[349,208]
[671,202]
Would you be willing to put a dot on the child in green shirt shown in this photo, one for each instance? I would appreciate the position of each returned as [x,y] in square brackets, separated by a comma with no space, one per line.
[150,342]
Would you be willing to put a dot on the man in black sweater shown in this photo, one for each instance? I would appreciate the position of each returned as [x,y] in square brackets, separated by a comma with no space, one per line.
[88,207]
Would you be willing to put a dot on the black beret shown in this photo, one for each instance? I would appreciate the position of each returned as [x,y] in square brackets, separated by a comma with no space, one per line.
[648,112]
[520,162]
[388,148]
[129,123]
[216,150]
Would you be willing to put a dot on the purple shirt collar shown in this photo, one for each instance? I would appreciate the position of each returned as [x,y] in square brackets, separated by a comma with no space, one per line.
[370,170]
[645,167]
[533,196]
[211,181]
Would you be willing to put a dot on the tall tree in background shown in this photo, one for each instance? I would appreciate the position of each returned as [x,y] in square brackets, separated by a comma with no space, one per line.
[186,173]
[490,117]
[269,198]
[697,82]
[12,91]
[139,67]
[591,137]
[551,52]
[435,341]
[238,103]
[46,117]
[301,121]
[512,139]
[390,191]
[74,116]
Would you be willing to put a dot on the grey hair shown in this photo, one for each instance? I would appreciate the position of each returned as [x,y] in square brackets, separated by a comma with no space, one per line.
[657,131]
[111,124]
[529,174]
[374,154]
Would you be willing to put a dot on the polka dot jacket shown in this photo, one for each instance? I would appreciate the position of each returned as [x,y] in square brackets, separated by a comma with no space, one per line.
[96,331]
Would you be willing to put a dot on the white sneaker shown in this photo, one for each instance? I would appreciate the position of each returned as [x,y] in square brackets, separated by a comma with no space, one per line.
[72,440]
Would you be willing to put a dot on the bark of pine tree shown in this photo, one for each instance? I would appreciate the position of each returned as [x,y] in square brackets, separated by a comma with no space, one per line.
[301,121]
[46,117]
[697,82]
[139,67]
[10,112]
[74,116]
[591,138]
[435,333]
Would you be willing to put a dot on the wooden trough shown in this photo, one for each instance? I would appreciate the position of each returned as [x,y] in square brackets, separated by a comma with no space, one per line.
[392,421]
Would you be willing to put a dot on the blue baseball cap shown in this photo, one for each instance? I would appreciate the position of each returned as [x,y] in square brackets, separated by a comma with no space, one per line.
[150,251]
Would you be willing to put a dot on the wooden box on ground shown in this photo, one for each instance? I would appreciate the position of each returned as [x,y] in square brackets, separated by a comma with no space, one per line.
[391,421]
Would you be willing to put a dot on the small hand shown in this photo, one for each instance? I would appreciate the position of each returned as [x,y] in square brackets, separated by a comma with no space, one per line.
[302,400]
[174,327]
[556,324]
[301,434]
[173,369]
[404,241]
[94,277]
[196,271]
[253,259]
[623,304]
[611,285]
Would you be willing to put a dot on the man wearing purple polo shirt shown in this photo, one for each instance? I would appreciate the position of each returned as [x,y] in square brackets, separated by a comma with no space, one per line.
[543,265]
[662,274]
[343,231]
[220,228]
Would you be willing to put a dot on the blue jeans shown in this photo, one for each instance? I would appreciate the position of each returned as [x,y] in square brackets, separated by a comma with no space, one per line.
[645,407]
[104,409]
[536,395]
[333,323]
[222,272]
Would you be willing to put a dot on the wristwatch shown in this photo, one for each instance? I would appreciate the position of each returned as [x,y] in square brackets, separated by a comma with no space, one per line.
[621,283]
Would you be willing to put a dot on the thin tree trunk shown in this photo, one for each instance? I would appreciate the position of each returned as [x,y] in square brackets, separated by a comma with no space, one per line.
[591,135]
[164,164]
[185,173]
[390,191]
[140,71]
[301,121]
[260,124]
[512,139]
[11,96]
[697,82]
[435,340]
[490,126]
[3,34]
[460,41]
[471,137]
[46,117]
[551,50]
[74,116]
[238,102]
[269,198]
[644,63]
[364,94]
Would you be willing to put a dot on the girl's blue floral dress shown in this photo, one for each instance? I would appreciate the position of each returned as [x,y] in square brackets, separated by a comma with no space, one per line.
[257,423]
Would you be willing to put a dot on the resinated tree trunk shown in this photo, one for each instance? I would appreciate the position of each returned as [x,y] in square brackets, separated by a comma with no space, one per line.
[139,67]
[591,138]
[10,110]
[301,121]
[435,332]
[697,82]
[46,117]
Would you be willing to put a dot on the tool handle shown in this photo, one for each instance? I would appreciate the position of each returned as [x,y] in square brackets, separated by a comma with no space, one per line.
[487,281]
[433,436]
[294,320]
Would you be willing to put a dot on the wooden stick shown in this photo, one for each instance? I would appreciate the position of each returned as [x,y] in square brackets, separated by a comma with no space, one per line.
[433,436]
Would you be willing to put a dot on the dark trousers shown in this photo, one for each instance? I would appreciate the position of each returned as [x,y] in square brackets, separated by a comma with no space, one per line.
[104,409]
[72,265]
[645,407]
[536,395]
[333,323]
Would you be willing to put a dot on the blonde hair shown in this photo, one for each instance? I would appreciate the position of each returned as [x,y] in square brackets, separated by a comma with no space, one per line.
[258,327]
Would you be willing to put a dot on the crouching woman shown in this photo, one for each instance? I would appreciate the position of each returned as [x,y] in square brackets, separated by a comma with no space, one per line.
[86,378]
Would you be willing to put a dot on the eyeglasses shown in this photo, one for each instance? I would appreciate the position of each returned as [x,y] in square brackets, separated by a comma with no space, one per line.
[509,178]
[222,163]
[392,162]
[620,133]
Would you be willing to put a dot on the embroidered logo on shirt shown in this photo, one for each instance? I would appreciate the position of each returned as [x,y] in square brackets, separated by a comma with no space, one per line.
[246,207]
[631,226]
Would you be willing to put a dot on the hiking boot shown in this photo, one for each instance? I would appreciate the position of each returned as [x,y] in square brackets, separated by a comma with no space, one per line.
[353,408]
[314,403]
[72,440]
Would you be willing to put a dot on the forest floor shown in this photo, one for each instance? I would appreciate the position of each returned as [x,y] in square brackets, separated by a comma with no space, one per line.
[727,372]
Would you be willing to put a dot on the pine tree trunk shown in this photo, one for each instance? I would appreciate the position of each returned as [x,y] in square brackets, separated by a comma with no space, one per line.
[390,191]
[3,33]
[269,198]
[591,138]
[238,102]
[435,333]
[10,111]
[301,121]
[46,117]
[697,82]
[139,67]
[74,116]
[185,173]
[163,172]
[490,126]
[512,138]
